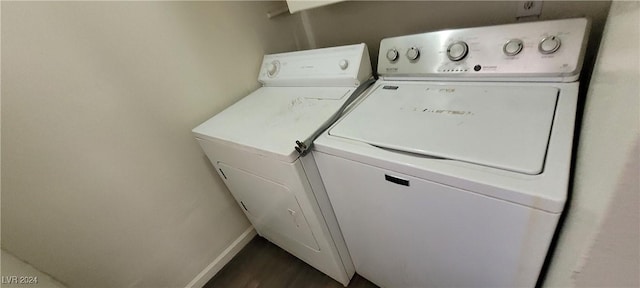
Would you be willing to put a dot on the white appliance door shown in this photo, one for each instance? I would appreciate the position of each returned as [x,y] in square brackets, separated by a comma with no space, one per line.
[270,206]
[496,126]
[404,231]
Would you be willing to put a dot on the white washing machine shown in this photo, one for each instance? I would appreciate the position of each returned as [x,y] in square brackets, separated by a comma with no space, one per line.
[453,170]
[252,145]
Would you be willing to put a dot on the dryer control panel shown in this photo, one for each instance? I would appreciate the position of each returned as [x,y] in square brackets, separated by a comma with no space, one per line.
[335,66]
[534,51]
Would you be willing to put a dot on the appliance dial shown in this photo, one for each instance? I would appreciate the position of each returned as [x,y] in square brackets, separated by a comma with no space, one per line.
[457,51]
[343,64]
[512,47]
[272,68]
[549,45]
[413,53]
[392,55]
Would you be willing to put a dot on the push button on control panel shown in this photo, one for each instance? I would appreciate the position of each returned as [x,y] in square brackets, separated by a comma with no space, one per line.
[413,53]
[392,55]
[457,51]
[512,47]
[273,68]
[549,45]
[344,64]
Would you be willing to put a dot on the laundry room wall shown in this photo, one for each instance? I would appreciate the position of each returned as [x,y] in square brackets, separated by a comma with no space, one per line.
[598,244]
[103,184]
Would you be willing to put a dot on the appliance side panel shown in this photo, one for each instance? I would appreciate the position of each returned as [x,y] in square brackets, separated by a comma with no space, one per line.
[404,231]
[324,205]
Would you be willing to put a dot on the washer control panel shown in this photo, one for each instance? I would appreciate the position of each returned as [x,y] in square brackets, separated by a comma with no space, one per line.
[547,50]
[336,66]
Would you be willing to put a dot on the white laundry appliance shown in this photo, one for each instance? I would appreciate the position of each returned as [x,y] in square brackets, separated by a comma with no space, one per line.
[252,145]
[453,170]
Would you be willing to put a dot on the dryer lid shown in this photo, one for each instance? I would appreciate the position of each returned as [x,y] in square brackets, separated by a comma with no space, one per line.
[505,127]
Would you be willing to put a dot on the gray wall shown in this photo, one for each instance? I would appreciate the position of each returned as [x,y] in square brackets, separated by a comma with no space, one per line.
[599,243]
[103,184]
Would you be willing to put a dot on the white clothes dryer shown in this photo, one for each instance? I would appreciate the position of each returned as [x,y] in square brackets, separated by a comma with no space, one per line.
[252,145]
[453,170]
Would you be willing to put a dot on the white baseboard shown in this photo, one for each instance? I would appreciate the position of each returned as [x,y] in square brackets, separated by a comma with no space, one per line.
[222,259]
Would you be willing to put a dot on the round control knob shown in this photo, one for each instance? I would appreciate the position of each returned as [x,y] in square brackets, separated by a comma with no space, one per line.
[413,53]
[457,51]
[549,45]
[272,68]
[343,64]
[392,55]
[512,47]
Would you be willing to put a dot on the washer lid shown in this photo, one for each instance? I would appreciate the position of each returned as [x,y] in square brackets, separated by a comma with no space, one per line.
[502,127]
[270,120]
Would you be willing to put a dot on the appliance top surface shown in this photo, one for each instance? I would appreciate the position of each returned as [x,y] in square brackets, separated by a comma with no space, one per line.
[514,143]
[502,127]
[302,91]
[271,119]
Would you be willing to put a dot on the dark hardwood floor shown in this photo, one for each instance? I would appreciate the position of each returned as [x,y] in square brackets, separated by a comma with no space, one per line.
[263,264]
